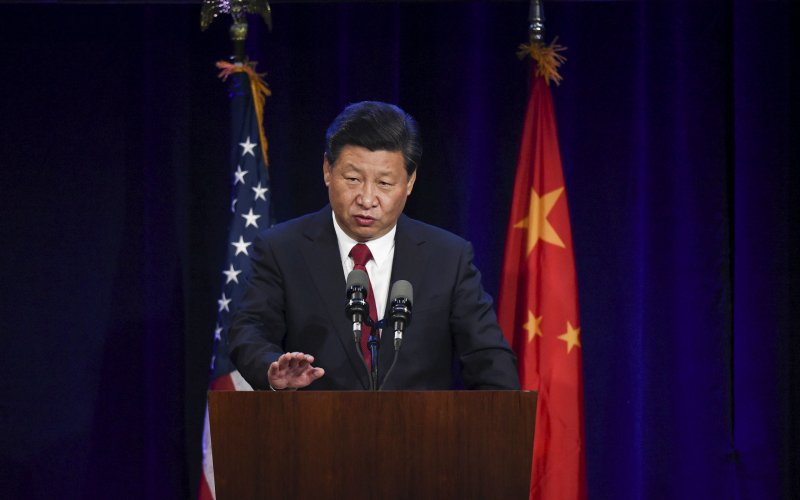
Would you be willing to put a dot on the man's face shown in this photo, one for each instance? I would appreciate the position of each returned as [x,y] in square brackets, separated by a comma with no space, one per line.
[367,190]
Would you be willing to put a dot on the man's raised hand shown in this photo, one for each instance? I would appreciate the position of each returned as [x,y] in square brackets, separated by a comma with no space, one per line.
[293,370]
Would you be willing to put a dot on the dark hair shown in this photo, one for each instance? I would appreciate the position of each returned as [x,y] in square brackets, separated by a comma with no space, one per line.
[376,126]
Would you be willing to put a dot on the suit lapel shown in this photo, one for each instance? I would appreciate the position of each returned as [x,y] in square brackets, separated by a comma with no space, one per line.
[410,261]
[321,254]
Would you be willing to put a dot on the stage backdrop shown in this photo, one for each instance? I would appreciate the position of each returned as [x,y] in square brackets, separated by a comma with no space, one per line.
[678,128]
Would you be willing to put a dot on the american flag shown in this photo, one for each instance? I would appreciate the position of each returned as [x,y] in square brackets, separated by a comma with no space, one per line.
[250,209]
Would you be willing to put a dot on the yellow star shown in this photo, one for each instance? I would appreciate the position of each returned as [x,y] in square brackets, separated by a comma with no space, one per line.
[534,326]
[571,337]
[536,222]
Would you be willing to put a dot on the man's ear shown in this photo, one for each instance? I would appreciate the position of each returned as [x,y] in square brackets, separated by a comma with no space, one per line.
[410,184]
[326,170]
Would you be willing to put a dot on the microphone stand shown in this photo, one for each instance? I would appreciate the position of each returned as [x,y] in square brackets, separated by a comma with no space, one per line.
[398,340]
[400,317]
[374,343]
[357,332]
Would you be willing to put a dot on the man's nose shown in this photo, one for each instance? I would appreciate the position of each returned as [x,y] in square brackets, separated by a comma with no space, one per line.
[367,195]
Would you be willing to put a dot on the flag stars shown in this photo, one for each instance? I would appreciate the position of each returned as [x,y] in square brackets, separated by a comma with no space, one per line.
[539,228]
[260,191]
[232,275]
[248,148]
[251,218]
[239,174]
[218,333]
[241,246]
[223,303]
[533,326]
[571,337]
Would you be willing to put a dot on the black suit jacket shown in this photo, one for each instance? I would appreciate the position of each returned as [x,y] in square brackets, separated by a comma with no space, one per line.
[295,301]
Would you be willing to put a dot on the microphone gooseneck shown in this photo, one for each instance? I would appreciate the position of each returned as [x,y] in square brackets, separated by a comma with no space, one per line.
[401,298]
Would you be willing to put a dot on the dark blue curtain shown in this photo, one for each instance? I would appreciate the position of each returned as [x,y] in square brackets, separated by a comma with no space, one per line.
[678,124]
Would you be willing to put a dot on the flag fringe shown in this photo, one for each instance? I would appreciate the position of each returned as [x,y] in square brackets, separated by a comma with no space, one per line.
[547,57]
[260,92]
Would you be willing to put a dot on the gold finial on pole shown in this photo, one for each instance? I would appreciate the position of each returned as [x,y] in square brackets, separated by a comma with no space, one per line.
[238,9]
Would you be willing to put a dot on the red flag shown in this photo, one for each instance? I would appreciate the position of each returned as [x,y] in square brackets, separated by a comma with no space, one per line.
[538,304]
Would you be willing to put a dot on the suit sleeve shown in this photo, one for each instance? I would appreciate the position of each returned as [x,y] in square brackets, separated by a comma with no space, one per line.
[259,325]
[487,362]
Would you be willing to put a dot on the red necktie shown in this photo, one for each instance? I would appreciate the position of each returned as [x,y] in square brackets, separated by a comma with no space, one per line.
[361,255]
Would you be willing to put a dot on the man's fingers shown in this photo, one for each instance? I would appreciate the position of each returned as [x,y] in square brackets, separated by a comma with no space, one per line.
[297,362]
[293,360]
[294,369]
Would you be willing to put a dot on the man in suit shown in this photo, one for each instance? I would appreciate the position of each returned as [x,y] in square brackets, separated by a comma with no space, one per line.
[291,331]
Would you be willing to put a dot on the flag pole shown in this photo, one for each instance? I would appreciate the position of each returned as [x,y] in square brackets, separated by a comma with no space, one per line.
[536,22]
[238,33]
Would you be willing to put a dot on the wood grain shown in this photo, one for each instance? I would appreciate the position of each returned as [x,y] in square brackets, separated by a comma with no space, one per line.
[438,445]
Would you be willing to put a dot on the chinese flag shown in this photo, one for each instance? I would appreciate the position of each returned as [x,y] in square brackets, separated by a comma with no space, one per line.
[538,304]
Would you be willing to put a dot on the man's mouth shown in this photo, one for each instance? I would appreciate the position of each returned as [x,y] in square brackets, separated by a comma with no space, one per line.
[364,220]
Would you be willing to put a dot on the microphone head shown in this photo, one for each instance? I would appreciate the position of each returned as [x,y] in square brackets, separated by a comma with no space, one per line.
[400,299]
[357,278]
[357,308]
[401,289]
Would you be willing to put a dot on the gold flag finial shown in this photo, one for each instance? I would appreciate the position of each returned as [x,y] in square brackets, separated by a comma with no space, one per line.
[238,9]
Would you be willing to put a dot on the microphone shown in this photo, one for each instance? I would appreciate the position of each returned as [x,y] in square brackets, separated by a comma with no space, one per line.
[357,308]
[400,300]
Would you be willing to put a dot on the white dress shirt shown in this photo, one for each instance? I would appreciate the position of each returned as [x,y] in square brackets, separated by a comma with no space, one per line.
[379,268]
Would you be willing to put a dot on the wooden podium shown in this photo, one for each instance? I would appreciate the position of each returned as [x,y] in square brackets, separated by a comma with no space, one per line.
[381,445]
